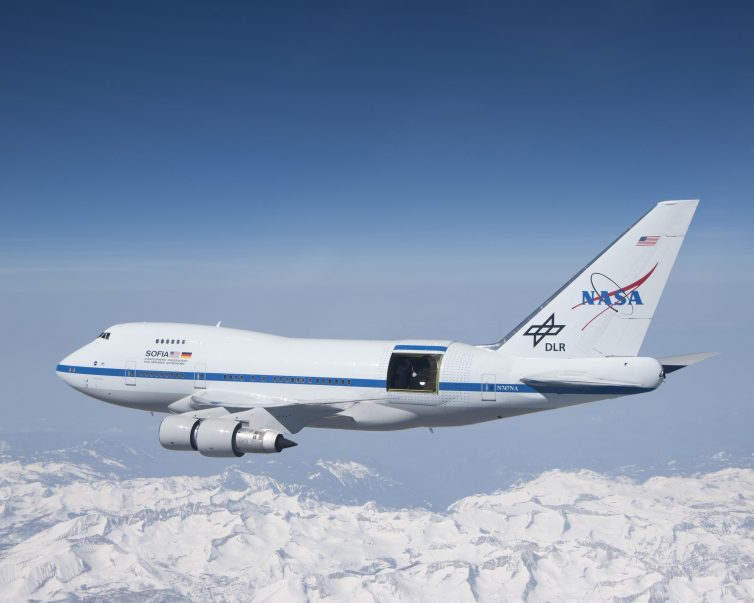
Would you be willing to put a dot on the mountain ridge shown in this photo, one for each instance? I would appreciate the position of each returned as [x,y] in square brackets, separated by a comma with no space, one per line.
[76,533]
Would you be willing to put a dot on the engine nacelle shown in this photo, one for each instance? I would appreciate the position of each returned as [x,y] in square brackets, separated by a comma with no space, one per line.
[228,438]
[217,437]
[178,432]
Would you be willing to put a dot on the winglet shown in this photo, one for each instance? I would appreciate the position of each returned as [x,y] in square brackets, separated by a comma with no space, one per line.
[673,363]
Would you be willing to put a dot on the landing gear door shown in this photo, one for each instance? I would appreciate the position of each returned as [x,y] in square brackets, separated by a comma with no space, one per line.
[200,376]
[488,387]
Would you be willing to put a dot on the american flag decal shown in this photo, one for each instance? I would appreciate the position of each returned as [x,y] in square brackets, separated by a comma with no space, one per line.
[646,241]
[175,355]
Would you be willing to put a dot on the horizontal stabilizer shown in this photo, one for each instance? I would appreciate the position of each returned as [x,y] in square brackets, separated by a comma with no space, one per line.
[596,376]
[582,385]
[673,363]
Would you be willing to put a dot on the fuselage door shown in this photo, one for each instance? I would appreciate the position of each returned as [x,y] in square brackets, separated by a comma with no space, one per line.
[130,372]
[488,387]
[200,376]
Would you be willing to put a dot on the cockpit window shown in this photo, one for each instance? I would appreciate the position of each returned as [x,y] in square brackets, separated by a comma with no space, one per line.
[103,335]
[414,372]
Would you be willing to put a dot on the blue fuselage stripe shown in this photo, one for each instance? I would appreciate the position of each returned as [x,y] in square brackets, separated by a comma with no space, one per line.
[500,388]
[226,377]
[278,379]
[91,370]
[447,386]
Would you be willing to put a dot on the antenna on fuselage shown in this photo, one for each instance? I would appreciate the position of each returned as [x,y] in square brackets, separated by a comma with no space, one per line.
[219,322]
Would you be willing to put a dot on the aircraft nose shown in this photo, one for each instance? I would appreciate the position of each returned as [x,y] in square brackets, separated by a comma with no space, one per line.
[69,360]
[66,368]
[63,368]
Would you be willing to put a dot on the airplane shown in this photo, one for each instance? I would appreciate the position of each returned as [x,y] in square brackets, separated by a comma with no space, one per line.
[228,391]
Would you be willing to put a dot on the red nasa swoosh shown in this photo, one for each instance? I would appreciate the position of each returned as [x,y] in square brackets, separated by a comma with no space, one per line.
[635,285]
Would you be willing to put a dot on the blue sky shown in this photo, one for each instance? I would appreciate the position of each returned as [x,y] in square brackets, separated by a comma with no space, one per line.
[372,170]
[128,127]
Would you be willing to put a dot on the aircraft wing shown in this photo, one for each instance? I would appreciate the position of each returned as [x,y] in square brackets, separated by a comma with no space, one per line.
[258,411]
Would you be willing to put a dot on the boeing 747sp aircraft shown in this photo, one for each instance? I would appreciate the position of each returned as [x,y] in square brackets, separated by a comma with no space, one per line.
[228,391]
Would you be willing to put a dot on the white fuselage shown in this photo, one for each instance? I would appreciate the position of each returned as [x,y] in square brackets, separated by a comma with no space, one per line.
[150,366]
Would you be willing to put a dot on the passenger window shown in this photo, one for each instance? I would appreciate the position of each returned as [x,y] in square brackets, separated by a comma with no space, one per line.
[414,372]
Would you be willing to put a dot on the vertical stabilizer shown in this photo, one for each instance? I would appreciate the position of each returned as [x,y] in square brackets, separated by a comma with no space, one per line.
[605,309]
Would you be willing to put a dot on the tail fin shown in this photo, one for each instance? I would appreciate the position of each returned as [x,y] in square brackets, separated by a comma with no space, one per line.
[605,309]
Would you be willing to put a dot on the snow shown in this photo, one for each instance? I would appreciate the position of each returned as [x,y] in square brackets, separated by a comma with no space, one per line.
[68,531]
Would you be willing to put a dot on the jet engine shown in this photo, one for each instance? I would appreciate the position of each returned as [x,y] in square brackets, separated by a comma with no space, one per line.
[178,432]
[219,437]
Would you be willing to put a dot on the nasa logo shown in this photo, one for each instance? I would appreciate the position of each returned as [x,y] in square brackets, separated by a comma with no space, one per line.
[606,292]
[619,297]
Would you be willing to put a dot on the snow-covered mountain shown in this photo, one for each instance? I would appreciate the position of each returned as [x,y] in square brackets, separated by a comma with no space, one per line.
[82,532]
